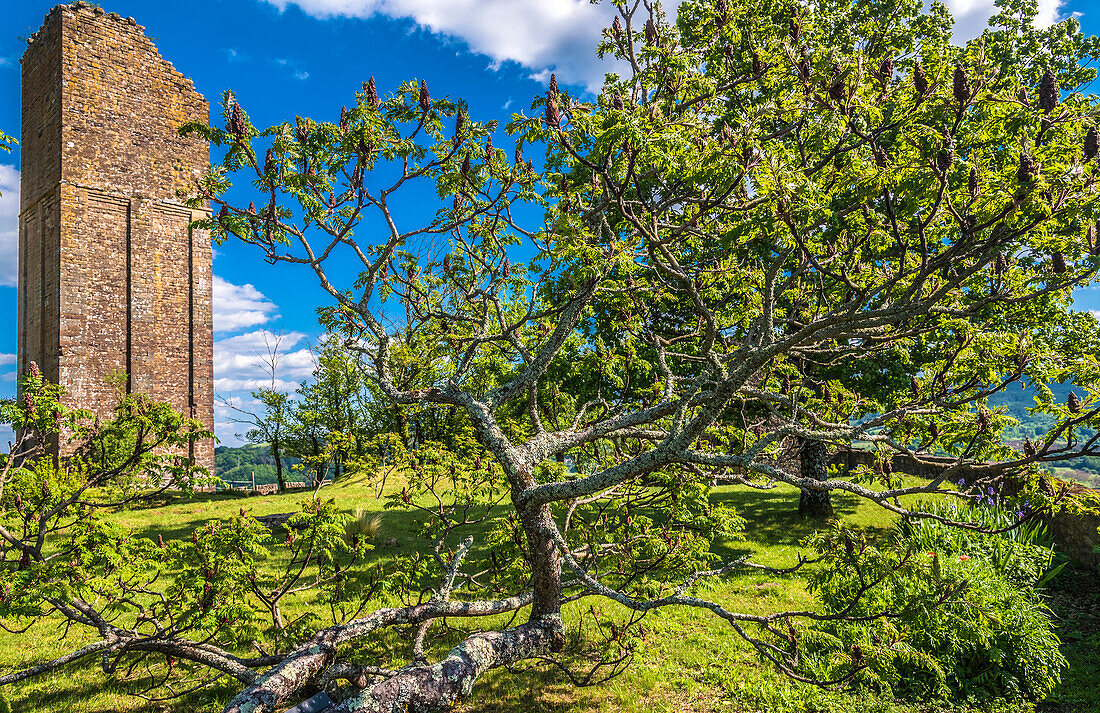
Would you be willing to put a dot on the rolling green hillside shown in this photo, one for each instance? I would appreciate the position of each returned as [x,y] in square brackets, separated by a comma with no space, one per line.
[1017,401]
[239,463]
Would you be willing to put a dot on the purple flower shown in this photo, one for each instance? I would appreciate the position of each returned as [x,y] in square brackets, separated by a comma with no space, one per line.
[1019,513]
[962,481]
[989,490]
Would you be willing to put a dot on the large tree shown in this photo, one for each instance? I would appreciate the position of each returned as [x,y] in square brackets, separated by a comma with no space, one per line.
[767,187]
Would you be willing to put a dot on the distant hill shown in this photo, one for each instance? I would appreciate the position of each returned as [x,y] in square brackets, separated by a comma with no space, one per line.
[1017,401]
[240,462]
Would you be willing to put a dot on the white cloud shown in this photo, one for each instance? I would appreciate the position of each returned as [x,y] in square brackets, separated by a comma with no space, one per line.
[9,226]
[224,385]
[536,34]
[561,35]
[240,306]
[229,412]
[295,70]
[972,16]
[241,363]
[1095,313]
[7,360]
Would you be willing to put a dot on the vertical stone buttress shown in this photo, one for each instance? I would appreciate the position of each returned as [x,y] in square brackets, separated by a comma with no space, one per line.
[114,286]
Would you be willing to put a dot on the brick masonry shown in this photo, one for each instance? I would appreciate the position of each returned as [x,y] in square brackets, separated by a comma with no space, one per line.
[115,288]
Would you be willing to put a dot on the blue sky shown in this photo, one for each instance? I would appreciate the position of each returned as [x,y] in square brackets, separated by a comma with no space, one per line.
[307,57]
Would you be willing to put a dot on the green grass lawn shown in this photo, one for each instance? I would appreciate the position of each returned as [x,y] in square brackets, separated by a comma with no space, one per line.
[685,660]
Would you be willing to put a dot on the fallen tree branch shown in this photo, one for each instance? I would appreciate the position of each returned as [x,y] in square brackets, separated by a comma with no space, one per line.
[310,660]
[426,689]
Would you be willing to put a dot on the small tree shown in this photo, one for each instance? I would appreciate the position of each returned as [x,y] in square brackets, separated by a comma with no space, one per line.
[328,424]
[270,424]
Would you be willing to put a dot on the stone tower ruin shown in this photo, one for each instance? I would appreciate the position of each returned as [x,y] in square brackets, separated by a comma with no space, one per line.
[112,280]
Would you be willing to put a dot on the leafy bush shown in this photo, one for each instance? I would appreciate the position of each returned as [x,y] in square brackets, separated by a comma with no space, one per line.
[1023,555]
[957,627]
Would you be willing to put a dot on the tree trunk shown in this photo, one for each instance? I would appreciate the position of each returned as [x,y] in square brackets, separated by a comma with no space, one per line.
[439,687]
[402,426]
[432,692]
[544,561]
[321,468]
[814,460]
[279,477]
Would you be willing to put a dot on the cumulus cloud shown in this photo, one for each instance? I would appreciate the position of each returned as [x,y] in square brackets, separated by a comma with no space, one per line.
[972,16]
[239,307]
[229,412]
[536,34]
[242,363]
[561,35]
[9,226]
[7,375]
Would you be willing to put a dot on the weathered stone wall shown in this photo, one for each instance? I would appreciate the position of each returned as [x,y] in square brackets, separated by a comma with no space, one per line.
[928,467]
[112,279]
[1073,530]
[40,176]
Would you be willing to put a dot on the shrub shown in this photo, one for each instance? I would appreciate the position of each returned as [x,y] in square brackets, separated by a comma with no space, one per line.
[364,528]
[957,627]
[1023,555]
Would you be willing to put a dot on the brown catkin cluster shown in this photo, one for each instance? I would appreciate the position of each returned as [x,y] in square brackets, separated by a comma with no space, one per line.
[1028,169]
[1048,92]
[237,125]
[920,80]
[372,93]
[553,116]
[886,70]
[1092,143]
[425,98]
[961,86]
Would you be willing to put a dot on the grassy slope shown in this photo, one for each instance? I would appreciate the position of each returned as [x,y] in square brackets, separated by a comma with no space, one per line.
[686,661]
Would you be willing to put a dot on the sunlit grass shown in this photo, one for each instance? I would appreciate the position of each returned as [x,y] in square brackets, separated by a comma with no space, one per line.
[685,660]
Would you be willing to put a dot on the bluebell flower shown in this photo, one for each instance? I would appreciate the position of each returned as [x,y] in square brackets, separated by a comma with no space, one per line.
[962,481]
[989,490]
